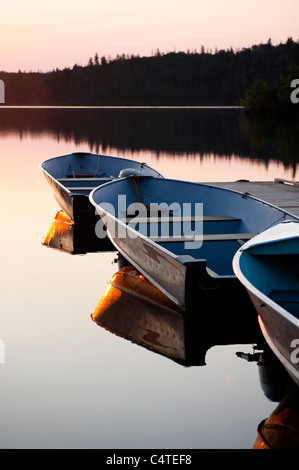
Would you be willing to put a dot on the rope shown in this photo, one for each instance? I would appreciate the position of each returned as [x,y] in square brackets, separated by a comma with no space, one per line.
[134,179]
[96,172]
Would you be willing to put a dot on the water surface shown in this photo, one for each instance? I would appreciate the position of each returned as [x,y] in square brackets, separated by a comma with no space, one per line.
[67,382]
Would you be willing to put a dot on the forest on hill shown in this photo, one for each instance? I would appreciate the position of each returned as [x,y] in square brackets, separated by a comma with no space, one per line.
[222,78]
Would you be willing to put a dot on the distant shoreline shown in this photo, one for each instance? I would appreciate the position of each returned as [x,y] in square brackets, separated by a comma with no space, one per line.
[115,107]
[172,81]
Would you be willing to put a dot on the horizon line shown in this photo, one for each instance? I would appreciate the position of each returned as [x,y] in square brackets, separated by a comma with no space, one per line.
[117,107]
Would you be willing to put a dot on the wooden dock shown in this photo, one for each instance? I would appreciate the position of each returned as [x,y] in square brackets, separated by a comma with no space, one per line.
[281,193]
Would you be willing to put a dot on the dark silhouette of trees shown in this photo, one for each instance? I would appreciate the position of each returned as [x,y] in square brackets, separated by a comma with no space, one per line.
[174,79]
[270,98]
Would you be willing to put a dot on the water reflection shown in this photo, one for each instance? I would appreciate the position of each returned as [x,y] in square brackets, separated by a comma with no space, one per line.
[273,377]
[135,310]
[72,238]
[200,132]
[280,139]
[281,429]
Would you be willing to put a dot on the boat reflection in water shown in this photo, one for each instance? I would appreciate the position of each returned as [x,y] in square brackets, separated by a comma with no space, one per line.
[65,235]
[134,309]
[281,429]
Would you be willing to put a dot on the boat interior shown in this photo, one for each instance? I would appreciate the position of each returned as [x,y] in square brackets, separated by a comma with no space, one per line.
[83,172]
[278,273]
[180,235]
[227,219]
[83,183]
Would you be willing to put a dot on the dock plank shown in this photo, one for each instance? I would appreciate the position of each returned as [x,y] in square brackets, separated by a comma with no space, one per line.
[285,196]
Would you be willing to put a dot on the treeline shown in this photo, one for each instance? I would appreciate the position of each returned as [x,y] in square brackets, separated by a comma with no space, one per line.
[269,99]
[175,79]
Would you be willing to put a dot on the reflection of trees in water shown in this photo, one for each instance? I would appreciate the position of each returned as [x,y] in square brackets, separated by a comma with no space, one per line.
[221,132]
[268,137]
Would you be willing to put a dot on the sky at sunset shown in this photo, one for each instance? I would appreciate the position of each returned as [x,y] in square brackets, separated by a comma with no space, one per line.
[38,35]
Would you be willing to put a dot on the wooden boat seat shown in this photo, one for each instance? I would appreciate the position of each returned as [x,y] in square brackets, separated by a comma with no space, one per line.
[205,218]
[68,183]
[81,188]
[69,180]
[177,219]
[205,238]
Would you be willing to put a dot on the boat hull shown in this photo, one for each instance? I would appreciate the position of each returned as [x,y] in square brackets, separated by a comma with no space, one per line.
[158,266]
[267,267]
[184,281]
[72,192]
[64,198]
[280,333]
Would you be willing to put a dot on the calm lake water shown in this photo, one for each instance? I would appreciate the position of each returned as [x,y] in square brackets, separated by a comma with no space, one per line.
[68,383]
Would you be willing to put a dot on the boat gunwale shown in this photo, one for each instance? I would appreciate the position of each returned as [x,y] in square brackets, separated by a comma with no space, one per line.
[262,201]
[207,185]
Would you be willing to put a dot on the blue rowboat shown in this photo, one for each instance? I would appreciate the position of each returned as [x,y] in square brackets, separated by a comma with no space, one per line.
[72,177]
[267,266]
[185,234]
